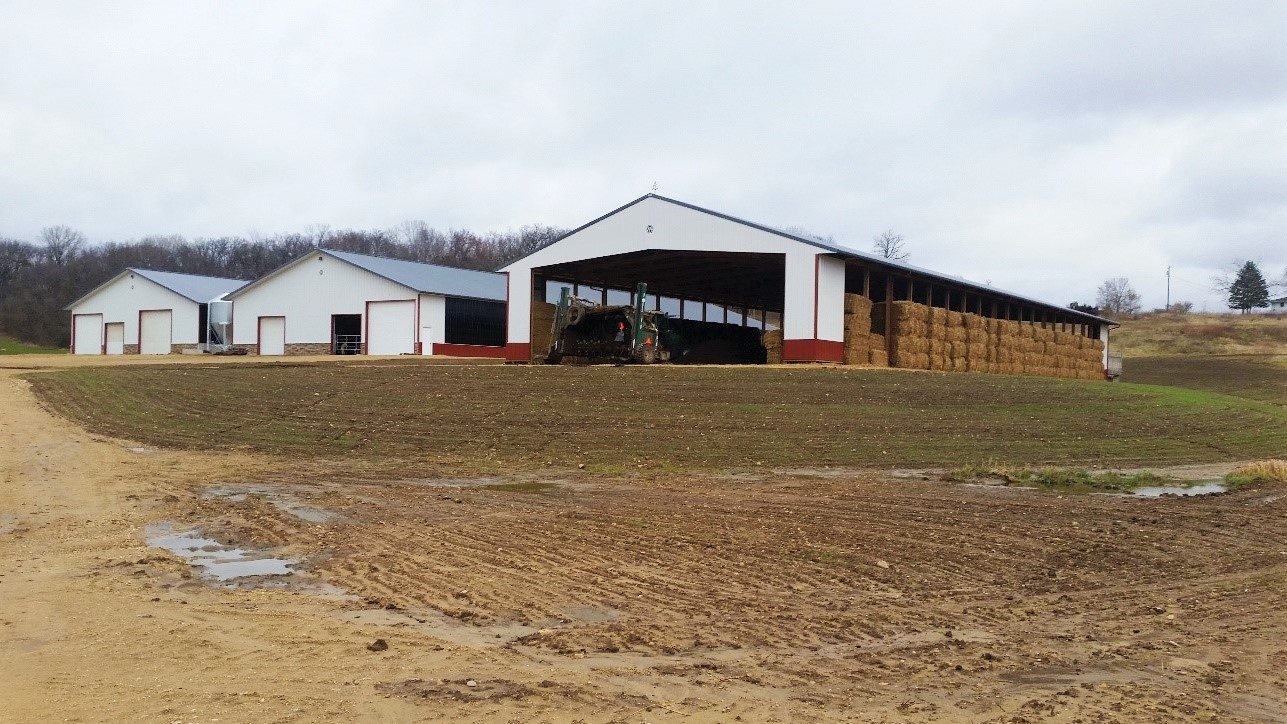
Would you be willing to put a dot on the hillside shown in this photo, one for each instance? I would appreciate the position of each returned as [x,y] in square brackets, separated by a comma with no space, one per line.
[9,345]
[1152,335]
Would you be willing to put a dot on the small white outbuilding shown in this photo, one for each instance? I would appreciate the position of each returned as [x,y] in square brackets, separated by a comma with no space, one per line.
[336,302]
[142,311]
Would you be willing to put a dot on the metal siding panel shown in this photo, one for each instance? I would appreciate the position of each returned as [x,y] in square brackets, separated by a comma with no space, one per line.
[88,333]
[115,342]
[272,336]
[155,327]
[391,327]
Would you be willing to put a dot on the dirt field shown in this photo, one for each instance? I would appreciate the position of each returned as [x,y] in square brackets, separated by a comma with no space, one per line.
[751,593]
[501,419]
[1255,377]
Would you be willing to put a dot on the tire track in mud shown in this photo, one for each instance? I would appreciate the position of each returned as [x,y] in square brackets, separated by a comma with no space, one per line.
[989,600]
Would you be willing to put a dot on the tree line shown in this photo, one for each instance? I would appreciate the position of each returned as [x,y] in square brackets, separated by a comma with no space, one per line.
[40,277]
[1243,284]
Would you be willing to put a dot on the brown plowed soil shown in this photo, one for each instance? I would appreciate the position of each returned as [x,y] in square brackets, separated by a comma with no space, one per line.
[761,595]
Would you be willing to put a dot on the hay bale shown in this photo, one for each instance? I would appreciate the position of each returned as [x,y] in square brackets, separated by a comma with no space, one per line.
[976,351]
[857,325]
[974,322]
[772,341]
[955,319]
[976,336]
[877,341]
[938,316]
[911,310]
[909,360]
[909,345]
[955,334]
[959,349]
[959,364]
[542,317]
[857,304]
[878,358]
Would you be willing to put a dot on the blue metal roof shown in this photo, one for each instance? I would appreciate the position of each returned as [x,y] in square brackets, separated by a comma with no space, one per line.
[431,278]
[197,288]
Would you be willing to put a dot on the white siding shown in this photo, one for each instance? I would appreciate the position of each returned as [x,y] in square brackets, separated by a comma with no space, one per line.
[155,331]
[673,227]
[831,298]
[87,334]
[433,321]
[307,293]
[391,327]
[122,300]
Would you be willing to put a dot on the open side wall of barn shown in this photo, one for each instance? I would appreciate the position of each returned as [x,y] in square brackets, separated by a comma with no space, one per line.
[813,331]
[121,302]
[308,294]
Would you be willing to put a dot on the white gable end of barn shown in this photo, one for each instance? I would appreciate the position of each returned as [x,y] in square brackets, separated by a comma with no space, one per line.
[654,223]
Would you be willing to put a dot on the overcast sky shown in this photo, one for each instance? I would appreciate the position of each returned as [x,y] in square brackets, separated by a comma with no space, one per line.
[1042,147]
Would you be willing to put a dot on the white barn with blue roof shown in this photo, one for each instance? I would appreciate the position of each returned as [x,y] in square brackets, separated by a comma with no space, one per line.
[336,302]
[142,311]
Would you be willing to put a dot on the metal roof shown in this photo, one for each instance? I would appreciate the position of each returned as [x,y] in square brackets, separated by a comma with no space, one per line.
[431,278]
[197,288]
[844,252]
[447,281]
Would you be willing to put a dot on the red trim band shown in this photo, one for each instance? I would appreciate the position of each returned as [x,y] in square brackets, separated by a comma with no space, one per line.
[470,350]
[812,350]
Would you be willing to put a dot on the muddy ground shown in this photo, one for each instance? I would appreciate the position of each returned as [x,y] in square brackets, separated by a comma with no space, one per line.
[752,595]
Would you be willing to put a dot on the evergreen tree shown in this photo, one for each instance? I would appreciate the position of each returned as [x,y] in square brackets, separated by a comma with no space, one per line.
[1249,289]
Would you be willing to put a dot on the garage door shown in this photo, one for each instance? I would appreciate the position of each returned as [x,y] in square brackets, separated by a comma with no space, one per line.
[391,327]
[272,335]
[154,331]
[115,337]
[87,333]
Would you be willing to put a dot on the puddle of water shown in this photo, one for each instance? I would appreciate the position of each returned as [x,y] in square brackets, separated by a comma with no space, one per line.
[1182,490]
[217,561]
[285,503]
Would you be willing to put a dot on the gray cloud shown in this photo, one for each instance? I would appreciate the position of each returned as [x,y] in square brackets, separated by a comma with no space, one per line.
[1044,147]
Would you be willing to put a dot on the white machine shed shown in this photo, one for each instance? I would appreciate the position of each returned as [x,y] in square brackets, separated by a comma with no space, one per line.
[143,311]
[337,302]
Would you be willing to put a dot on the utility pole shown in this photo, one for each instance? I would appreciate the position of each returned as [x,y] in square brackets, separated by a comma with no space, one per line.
[1168,287]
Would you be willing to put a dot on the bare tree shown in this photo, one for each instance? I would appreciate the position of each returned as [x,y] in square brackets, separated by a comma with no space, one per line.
[889,245]
[1117,296]
[61,243]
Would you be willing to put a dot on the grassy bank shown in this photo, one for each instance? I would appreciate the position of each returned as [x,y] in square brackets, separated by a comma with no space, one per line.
[9,345]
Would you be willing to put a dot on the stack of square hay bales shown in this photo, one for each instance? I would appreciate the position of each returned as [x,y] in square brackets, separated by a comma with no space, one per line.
[772,340]
[910,342]
[931,338]
[861,346]
[542,328]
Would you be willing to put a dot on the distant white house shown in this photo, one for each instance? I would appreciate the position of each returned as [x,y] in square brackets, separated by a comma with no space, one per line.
[336,302]
[1278,305]
[141,311]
